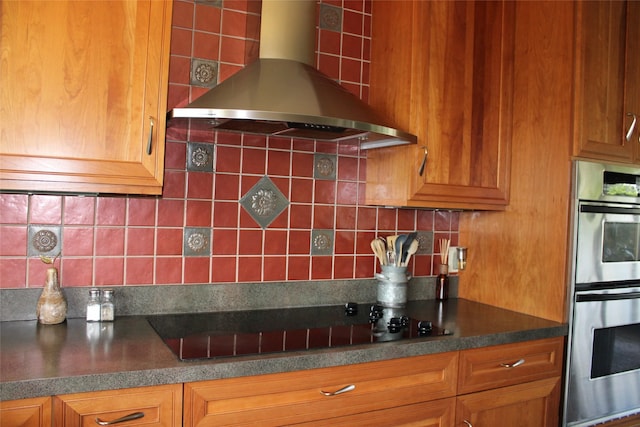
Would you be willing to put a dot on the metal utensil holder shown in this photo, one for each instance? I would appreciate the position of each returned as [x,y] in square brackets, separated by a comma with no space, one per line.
[392,286]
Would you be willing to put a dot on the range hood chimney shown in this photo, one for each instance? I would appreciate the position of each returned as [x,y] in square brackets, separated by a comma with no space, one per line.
[283,94]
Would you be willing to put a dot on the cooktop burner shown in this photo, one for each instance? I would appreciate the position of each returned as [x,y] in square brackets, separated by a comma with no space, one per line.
[242,333]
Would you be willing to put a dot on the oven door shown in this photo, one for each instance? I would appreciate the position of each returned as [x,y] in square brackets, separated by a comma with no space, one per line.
[608,243]
[604,372]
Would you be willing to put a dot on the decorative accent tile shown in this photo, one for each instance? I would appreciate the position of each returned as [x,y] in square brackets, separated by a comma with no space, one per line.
[330,18]
[204,73]
[44,241]
[197,241]
[322,242]
[425,239]
[199,157]
[324,166]
[264,202]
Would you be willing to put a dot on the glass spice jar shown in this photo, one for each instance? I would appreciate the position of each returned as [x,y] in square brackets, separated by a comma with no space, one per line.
[107,307]
[93,306]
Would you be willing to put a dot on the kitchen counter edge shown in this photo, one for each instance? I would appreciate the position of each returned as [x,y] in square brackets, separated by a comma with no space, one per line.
[148,362]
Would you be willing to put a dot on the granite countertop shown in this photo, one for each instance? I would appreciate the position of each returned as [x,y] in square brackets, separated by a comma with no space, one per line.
[76,356]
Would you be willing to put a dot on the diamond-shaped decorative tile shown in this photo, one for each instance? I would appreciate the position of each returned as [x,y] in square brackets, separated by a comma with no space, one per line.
[321,242]
[264,202]
[331,18]
[197,241]
[325,166]
[44,241]
[199,157]
[204,72]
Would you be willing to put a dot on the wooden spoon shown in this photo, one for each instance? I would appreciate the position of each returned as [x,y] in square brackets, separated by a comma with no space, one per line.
[377,246]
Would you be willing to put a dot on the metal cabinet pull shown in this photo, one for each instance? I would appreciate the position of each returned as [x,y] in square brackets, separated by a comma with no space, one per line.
[629,133]
[150,140]
[512,365]
[133,416]
[424,161]
[467,423]
[337,392]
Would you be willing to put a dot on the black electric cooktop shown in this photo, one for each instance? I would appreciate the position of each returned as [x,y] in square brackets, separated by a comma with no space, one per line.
[243,333]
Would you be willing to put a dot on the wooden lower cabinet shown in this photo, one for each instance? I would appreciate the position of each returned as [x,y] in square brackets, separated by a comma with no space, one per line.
[437,413]
[511,385]
[157,405]
[532,404]
[505,385]
[34,412]
[382,392]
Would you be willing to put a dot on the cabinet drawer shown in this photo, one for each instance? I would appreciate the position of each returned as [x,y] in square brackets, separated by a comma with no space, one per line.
[161,406]
[498,366]
[296,397]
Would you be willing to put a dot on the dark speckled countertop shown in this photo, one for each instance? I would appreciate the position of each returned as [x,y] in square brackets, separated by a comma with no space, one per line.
[76,356]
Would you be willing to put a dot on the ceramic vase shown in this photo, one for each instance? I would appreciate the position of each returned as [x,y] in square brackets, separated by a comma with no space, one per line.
[52,306]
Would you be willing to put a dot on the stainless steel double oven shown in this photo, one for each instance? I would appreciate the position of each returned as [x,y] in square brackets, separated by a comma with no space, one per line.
[603,369]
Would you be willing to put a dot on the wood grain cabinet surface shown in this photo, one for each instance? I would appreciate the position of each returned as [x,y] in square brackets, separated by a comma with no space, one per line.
[34,412]
[295,398]
[443,71]
[147,406]
[512,384]
[83,94]
[607,98]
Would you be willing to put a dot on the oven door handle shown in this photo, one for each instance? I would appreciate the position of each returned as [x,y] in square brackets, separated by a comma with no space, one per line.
[607,297]
[609,210]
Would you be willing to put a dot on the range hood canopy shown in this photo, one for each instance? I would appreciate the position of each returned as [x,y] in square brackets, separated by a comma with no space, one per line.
[282,94]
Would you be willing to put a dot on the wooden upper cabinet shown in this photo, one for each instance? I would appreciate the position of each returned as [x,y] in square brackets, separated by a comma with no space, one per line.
[443,71]
[83,89]
[607,81]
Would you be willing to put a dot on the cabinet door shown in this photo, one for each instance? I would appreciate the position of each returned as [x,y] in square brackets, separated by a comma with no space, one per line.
[533,404]
[34,412]
[297,397]
[83,95]
[147,406]
[607,80]
[438,413]
[444,71]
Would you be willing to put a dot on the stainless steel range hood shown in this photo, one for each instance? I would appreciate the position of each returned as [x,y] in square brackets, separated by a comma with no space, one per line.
[282,94]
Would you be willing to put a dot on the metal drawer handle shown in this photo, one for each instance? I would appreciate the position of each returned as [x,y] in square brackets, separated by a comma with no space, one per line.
[467,423]
[632,127]
[337,392]
[134,416]
[512,365]
[150,140]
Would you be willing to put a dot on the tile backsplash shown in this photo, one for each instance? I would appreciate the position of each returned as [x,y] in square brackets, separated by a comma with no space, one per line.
[235,207]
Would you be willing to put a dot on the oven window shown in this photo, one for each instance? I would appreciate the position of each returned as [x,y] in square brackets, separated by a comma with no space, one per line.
[615,350]
[621,242]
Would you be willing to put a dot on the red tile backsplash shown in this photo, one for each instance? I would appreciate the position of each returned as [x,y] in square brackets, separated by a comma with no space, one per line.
[13,208]
[131,240]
